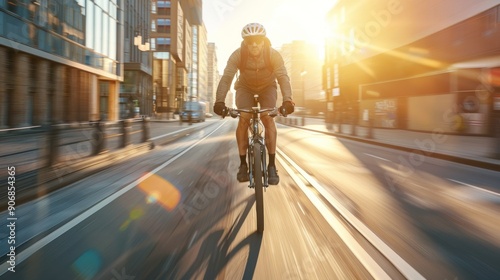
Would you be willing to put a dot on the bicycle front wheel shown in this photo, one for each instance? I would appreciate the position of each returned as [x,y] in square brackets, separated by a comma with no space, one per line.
[259,193]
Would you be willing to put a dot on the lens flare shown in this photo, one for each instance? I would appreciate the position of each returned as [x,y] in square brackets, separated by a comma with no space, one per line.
[135,214]
[87,265]
[159,190]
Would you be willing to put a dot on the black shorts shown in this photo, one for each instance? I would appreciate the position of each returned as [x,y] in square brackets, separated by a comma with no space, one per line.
[267,97]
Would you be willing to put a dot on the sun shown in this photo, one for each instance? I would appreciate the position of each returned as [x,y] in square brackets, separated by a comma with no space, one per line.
[296,21]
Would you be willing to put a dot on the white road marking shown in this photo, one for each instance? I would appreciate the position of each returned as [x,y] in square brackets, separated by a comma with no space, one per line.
[377,157]
[300,206]
[26,253]
[477,188]
[192,239]
[171,133]
[370,264]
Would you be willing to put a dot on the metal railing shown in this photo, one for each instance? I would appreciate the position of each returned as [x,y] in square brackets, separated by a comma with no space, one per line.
[48,153]
[46,145]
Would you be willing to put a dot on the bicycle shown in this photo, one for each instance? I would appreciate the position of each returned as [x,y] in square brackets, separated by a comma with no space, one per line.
[256,156]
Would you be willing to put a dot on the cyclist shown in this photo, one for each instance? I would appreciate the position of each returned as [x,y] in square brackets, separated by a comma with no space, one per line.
[260,66]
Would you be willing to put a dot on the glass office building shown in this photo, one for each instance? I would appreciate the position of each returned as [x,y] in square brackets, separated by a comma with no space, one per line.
[60,61]
[136,92]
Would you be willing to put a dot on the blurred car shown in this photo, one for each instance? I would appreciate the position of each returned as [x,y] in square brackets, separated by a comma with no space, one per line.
[193,111]
[208,115]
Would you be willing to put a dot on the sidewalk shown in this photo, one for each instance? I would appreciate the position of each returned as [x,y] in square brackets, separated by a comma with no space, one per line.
[477,151]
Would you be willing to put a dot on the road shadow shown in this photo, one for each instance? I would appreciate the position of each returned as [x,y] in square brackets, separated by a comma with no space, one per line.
[216,253]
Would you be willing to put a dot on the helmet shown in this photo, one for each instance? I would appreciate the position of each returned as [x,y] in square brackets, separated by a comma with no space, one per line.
[253,29]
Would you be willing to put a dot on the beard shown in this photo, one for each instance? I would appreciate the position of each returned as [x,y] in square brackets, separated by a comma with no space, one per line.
[255,51]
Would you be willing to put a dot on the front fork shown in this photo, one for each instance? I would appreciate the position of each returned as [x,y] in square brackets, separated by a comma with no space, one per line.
[263,163]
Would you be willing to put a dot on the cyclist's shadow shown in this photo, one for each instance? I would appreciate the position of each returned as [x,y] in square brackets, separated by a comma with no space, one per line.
[218,246]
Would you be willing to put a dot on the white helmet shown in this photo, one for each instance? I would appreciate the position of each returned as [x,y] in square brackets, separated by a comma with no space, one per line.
[253,29]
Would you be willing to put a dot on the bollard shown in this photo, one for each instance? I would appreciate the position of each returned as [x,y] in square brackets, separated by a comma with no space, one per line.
[145,129]
[303,121]
[370,129]
[126,127]
[496,131]
[340,124]
[97,137]
[52,144]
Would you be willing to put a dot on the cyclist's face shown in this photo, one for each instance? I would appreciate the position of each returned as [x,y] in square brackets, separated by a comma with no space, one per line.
[255,45]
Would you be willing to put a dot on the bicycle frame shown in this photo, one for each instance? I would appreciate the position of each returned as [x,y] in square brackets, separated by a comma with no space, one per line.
[257,157]
[254,138]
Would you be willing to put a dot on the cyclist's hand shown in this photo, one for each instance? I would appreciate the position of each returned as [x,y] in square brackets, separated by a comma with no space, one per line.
[287,108]
[220,109]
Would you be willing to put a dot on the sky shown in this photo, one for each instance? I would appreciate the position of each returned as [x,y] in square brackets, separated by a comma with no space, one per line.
[284,20]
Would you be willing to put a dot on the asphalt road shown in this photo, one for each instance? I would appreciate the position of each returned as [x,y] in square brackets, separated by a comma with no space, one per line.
[177,212]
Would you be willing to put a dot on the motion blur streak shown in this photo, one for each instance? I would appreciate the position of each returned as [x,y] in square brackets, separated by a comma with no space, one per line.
[161,191]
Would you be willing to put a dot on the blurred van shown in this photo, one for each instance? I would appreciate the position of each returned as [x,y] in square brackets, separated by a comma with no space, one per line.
[193,111]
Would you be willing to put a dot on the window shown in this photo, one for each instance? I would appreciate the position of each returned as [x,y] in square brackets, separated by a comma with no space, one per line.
[162,43]
[153,26]
[162,21]
[163,8]
[163,4]
[163,25]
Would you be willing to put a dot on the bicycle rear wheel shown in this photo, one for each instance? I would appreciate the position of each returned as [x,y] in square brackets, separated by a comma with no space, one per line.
[259,194]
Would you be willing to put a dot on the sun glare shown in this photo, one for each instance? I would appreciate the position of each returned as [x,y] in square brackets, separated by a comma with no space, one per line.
[297,21]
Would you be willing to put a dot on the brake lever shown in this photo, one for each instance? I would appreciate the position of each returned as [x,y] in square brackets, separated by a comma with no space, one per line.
[233,114]
[283,112]
[225,113]
[273,113]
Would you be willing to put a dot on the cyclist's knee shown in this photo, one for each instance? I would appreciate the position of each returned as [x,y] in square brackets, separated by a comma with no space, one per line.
[266,119]
[243,121]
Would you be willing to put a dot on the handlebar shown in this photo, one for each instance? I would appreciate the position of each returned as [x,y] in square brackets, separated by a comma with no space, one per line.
[233,112]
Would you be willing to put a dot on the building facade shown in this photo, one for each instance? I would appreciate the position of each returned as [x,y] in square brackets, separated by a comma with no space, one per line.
[304,69]
[172,45]
[55,65]
[202,64]
[136,91]
[198,69]
[213,75]
[414,65]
